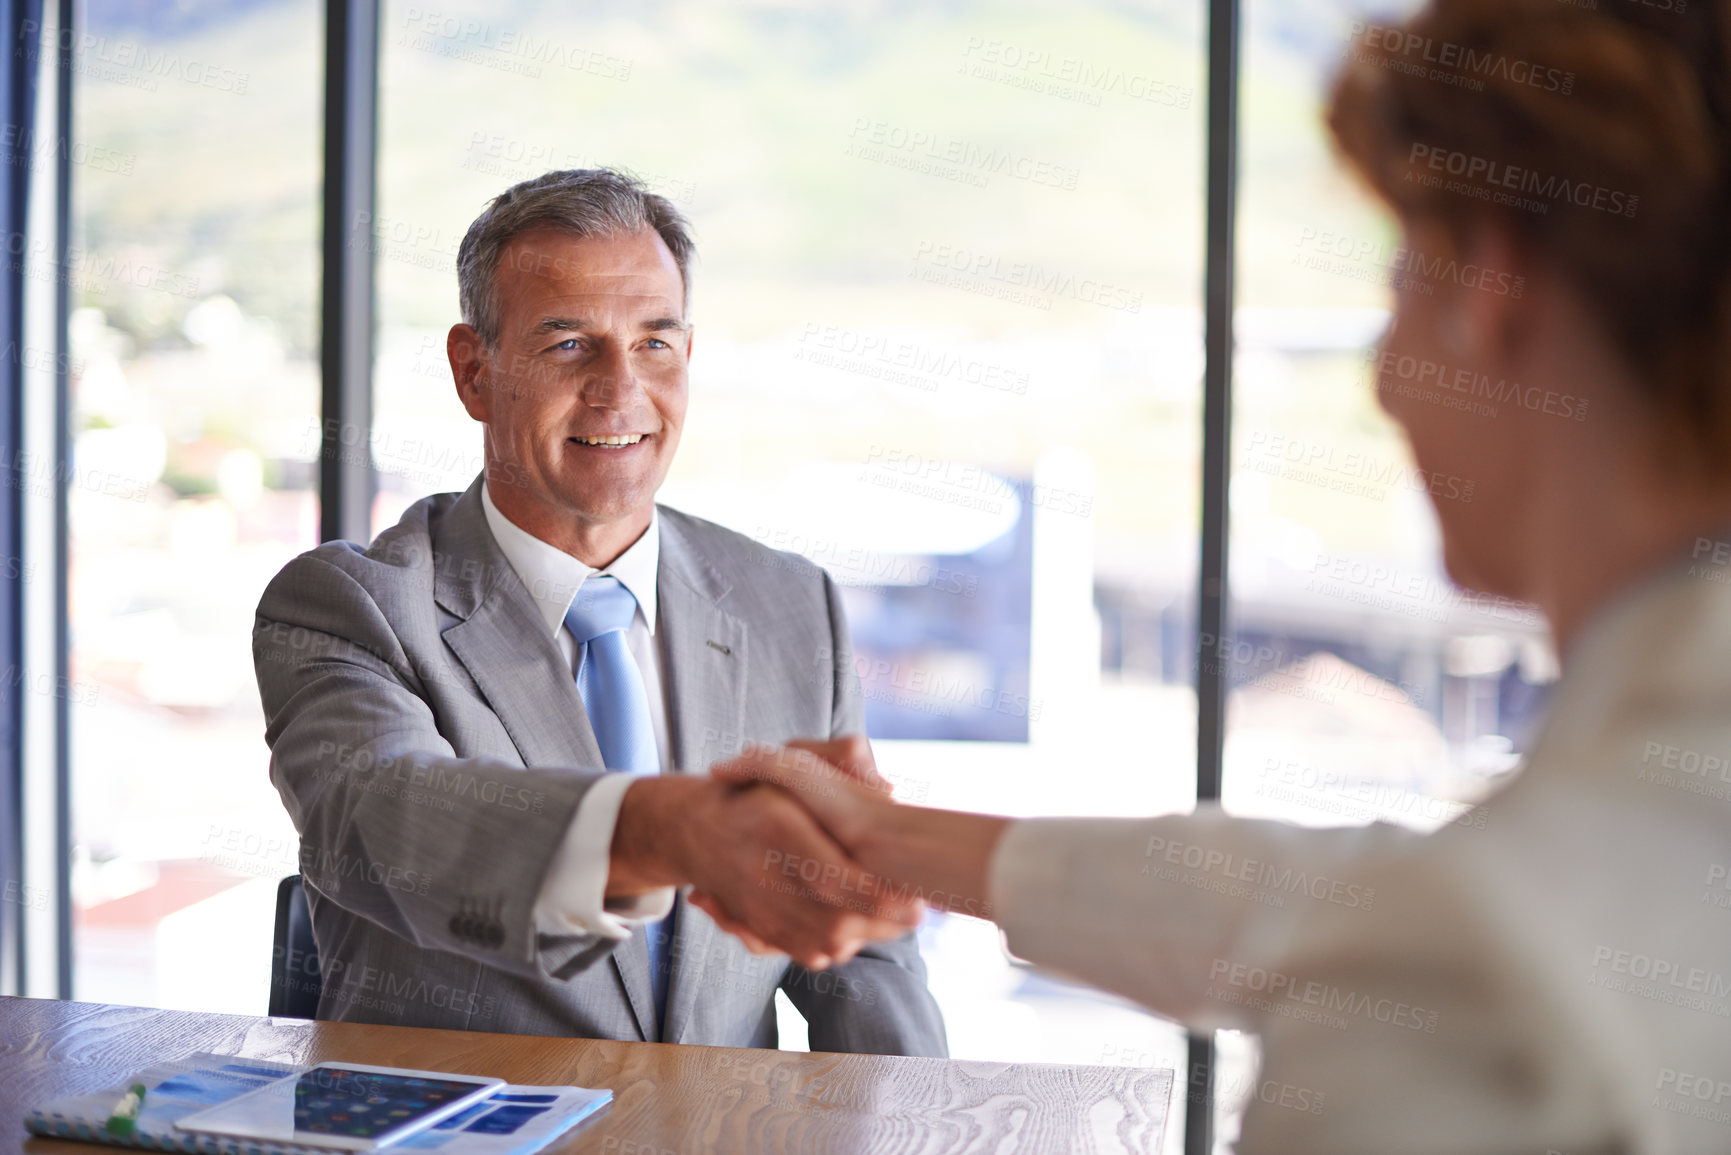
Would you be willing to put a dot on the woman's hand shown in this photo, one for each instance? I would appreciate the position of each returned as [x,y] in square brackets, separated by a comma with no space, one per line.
[941,857]
[851,753]
[836,779]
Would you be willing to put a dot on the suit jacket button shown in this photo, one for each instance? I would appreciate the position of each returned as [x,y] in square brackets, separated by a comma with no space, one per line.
[460,926]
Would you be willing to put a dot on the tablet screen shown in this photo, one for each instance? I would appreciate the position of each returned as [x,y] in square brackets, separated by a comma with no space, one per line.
[341,1106]
[363,1105]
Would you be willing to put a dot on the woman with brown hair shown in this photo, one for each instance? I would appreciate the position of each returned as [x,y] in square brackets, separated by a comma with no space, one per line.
[1552,972]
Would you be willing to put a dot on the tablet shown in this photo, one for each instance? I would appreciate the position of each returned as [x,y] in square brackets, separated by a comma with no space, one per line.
[344,1106]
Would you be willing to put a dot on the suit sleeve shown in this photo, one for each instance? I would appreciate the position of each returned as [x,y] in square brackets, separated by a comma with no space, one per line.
[445,852]
[878,1002]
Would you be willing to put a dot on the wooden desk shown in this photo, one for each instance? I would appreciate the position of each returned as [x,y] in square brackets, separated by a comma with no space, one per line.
[667,1100]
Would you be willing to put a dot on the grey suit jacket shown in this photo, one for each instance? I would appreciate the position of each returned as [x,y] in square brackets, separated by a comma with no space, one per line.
[430,745]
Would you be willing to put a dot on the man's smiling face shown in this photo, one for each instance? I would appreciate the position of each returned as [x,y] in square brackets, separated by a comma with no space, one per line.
[584,394]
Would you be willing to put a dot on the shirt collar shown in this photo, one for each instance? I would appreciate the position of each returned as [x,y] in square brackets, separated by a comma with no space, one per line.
[553,576]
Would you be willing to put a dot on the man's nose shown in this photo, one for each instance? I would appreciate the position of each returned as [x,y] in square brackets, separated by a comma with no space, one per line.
[610,384]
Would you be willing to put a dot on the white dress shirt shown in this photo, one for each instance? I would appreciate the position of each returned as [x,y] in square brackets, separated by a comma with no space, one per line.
[1550,972]
[572,897]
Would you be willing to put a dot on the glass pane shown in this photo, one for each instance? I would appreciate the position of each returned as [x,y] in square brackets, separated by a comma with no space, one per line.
[1365,685]
[947,345]
[195,288]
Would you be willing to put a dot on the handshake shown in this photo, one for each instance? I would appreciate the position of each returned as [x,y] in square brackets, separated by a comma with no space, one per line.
[780,846]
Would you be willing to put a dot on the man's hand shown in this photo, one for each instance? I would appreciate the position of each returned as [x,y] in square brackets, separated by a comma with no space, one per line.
[760,865]
[851,754]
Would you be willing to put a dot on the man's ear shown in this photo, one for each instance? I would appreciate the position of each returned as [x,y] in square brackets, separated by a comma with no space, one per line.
[1493,306]
[469,369]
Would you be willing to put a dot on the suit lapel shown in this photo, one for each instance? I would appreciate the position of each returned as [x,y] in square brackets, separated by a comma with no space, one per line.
[702,649]
[503,642]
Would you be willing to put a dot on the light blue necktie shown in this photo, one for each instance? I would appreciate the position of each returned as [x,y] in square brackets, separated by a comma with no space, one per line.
[611,687]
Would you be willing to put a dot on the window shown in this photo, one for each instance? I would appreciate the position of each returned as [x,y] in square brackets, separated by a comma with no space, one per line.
[195,387]
[948,345]
[1365,686]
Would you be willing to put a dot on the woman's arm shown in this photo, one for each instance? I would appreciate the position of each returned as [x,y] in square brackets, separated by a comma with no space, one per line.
[1164,910]
[942,852]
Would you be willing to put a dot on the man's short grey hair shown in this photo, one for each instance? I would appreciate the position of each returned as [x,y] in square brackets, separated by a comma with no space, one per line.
[581,202]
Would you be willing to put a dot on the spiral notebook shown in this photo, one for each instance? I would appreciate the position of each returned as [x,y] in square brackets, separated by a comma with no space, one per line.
[512,1121]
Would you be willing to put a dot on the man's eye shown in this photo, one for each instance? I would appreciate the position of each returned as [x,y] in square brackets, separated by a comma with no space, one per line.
[657,343]
[567,344]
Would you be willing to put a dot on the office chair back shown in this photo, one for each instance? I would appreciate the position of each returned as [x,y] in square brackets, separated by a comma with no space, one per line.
[295,983]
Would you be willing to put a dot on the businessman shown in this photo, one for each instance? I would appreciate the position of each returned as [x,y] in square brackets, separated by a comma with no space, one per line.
[491,727]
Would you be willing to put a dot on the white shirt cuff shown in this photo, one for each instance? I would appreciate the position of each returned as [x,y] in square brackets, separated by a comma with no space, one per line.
[573,898]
